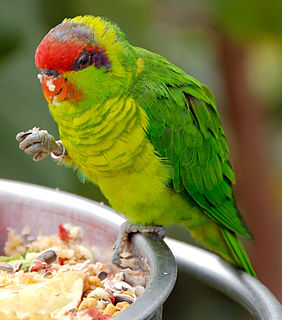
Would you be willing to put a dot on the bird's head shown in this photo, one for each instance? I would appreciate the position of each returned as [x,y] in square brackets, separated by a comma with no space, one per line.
[83,61]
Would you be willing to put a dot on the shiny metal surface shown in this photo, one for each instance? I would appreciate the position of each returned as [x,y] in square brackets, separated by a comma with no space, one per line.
[236,284]
[43,209]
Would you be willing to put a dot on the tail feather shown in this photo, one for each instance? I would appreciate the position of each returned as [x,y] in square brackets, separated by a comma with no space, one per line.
[219,239]
[237,250]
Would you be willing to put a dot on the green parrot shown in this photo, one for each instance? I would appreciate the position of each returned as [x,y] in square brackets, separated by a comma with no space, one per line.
[144,131]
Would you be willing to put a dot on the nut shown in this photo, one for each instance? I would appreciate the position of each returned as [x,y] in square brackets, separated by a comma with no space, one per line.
[88,302]
[110,309]
[94,282]
[122,305]
[100,293]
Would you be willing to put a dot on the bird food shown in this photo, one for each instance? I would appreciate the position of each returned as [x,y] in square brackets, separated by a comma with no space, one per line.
[57,277]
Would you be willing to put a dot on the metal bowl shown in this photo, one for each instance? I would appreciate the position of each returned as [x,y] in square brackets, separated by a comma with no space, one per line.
[214,272]
[43,209]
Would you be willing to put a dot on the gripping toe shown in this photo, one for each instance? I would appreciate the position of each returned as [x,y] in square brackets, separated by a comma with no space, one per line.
[123,240]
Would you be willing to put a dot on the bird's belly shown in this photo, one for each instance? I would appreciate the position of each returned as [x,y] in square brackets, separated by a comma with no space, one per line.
[143,199]
[135,183]
[134,186]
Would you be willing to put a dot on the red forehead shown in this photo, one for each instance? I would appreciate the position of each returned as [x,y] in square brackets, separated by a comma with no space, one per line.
[53,53]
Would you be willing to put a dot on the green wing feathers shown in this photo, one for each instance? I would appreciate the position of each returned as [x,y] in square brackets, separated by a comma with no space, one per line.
[185,129]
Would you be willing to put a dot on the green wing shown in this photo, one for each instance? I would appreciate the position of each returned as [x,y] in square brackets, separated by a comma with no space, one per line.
[185,129]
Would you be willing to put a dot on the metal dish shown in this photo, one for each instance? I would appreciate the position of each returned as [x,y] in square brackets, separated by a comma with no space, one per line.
[43,209]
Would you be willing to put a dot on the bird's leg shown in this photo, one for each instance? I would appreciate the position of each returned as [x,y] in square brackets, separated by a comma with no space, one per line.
[40,143]
[126,230]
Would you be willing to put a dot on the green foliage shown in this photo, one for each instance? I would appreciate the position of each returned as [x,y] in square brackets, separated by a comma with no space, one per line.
[8,43]
[248,19]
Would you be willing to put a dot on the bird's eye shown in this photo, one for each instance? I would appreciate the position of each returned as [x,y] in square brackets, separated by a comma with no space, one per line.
[82,62]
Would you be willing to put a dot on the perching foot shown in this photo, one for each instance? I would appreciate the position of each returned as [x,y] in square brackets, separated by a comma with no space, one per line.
[40,143]
[126,230]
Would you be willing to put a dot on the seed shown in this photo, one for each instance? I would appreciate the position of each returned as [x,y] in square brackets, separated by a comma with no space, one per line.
[4,266]
[47,256]
[48,274]
[123,298]
[102,275]
[17,266]
[139,290]
[116,285]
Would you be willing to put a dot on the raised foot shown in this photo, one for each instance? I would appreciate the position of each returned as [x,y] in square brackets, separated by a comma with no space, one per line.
[126,230]
[40,143]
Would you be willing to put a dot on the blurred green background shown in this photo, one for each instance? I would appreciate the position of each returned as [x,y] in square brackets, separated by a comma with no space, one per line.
[234,47]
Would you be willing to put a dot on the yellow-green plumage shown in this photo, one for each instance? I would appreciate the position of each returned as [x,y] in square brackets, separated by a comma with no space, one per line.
[149,136]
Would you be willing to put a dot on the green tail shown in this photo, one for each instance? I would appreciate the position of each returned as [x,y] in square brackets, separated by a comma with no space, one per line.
[237,250]
[219,239]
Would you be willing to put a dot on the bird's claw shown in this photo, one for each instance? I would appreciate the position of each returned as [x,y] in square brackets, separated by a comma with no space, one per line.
[39,143]
[126,231]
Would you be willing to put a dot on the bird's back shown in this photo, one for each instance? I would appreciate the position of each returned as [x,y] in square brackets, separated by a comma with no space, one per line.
[185,130]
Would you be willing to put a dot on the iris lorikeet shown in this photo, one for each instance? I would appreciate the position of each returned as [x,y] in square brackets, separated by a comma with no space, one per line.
[141,129]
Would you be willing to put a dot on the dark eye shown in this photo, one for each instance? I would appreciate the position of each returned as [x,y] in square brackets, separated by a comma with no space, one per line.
[82,62]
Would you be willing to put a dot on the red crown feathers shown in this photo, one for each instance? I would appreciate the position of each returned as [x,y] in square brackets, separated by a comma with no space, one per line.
[53,53]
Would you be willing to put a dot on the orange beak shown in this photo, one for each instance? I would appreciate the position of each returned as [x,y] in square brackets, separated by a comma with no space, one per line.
[53,87]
